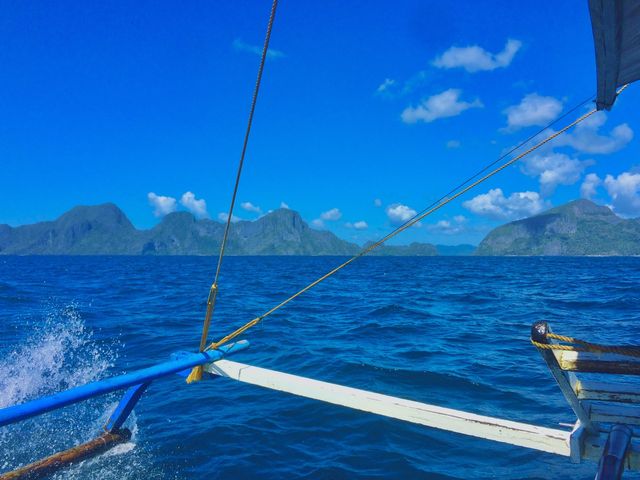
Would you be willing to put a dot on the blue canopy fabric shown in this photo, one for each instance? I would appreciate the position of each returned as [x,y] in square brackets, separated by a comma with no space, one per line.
[616,35]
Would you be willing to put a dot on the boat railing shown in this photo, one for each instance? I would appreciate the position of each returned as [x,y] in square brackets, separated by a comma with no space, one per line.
[608,415]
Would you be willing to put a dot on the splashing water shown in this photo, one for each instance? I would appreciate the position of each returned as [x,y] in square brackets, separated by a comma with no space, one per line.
[61,353]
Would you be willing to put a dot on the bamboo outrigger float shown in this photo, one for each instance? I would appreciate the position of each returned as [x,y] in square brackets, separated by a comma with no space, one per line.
[607,428]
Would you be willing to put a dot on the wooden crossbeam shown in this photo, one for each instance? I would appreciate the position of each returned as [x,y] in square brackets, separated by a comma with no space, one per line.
[607,392]
[597,362]
[612,413]
[597,405]
[544,439]
[505,431]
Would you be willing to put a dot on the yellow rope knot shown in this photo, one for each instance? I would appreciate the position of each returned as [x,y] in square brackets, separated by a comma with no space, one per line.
[196,372]
[572,344]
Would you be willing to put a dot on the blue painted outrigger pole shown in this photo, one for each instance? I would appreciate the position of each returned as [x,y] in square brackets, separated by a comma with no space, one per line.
[136,384]
[138,380]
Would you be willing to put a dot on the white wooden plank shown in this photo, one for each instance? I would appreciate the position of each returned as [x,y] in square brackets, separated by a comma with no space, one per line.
[566,382]
[609,392]
[515,433]
[598,362]
[612,413]
[576,442]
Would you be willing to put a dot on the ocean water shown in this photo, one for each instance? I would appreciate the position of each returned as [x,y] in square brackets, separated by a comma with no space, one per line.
[453,331]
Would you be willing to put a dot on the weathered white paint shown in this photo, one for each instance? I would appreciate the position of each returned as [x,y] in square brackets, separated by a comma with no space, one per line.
[566,382]
[515,433]
[598,362]
[610,392]
[544,439]
[576,442]
[590,433]
[612,413]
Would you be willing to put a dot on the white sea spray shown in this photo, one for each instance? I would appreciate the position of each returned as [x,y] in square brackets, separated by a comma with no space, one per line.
[58,353]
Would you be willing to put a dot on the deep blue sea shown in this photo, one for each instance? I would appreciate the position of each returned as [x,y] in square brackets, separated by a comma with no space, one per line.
[452,331]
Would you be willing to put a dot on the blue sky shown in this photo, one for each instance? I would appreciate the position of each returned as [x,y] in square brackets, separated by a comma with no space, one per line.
[369,110]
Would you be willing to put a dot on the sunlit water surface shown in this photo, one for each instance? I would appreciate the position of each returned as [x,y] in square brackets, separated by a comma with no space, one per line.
[453,331]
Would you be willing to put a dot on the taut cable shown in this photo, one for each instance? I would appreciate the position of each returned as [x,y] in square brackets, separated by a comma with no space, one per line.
[196,373]
[400,229]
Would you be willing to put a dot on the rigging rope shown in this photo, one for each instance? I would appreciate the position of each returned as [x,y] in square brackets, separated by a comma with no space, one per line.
[506,154]
[418,217]
[577,345]
[196,373]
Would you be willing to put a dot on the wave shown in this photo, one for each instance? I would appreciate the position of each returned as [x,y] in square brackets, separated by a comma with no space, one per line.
[395,309]
[58,354]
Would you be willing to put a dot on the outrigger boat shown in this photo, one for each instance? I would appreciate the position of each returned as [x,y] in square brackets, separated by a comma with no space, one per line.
[607,427]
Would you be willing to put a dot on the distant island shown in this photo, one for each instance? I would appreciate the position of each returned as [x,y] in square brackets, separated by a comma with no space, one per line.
[106,230]
[577,228]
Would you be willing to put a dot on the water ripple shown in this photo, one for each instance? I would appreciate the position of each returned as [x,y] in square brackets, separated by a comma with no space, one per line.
[448,331]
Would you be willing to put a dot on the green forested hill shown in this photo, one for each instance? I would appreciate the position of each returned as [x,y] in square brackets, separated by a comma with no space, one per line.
[577,228]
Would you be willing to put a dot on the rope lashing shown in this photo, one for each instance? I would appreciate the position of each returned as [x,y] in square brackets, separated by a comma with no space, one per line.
[572,344]
[196,373]
[402,228]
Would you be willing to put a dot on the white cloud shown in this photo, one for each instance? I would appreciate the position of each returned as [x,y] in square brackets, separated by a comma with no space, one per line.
[284,205]
[553,169]
[361,225]
[195,206]
[441,105]
[162,205]
[445,226]
[331,215]
[590,185]
[377,202]
[399,214]
[250,207]
[448,227]
[391,88]
[534,109]
[475,58]
[222,216]
[624,191]
[494,204]
[386,85]
[453,144]
[317,223]
[241,46]
[586,139]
